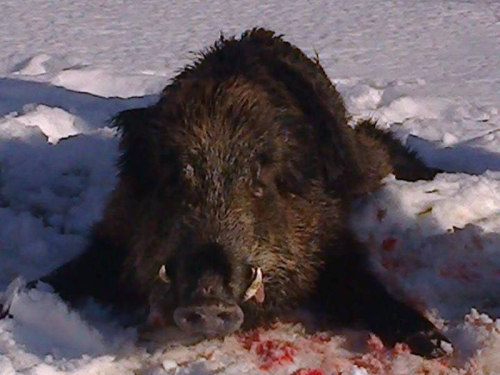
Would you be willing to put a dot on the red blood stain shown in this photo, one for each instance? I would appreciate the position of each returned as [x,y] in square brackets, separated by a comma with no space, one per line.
[249,339]
[389,244]
[401,348]
[274,352]
[305,371]
[270,352]
[391,264]
[156,321]
[460,272]
[374,364]
[321,338]
[378,361]
[375,344]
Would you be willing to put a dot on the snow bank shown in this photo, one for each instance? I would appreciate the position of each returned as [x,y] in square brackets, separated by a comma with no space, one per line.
[106,84]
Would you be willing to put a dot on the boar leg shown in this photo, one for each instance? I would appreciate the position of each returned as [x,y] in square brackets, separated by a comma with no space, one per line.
[94,273]
[351,294]
[406,163]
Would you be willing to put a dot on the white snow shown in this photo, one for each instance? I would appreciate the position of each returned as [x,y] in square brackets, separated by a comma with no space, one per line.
[426,70]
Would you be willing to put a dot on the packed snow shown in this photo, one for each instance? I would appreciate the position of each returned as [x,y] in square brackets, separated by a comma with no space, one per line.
[426,70]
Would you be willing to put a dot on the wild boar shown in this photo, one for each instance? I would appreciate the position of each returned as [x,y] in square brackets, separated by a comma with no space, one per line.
[233,202]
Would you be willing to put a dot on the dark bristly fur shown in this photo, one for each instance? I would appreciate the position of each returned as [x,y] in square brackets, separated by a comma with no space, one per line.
[247,160]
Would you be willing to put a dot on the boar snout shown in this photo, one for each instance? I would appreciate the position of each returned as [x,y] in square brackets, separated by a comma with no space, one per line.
[211,320]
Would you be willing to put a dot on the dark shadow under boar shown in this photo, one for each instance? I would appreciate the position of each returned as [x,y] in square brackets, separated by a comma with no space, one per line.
[232,206]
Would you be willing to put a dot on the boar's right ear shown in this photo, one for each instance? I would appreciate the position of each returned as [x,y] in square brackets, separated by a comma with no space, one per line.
[141,152]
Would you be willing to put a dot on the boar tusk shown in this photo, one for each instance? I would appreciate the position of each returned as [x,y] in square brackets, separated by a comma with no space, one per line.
[163,275]
[255,286]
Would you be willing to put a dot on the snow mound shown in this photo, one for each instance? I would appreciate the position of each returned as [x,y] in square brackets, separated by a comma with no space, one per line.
[17,96]
[39,313]
[438,239]
[107,84]
[49,194]
[54,123]
[41,64]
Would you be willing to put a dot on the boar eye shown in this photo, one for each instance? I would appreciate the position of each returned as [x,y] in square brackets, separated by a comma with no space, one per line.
[162,274]
[264,176]
[188,171]
[257,186]
[258,191]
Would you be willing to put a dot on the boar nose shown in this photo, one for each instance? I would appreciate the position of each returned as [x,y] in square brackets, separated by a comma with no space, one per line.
[210,320]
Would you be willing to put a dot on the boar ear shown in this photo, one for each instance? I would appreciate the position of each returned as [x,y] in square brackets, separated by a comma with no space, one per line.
[257,184]
[134,142]
[142,154]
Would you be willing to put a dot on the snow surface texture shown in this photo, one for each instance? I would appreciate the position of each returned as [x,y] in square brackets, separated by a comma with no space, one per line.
[427,70]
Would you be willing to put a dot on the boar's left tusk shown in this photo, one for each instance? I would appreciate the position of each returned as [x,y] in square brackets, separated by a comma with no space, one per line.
[255,286]
[163,275]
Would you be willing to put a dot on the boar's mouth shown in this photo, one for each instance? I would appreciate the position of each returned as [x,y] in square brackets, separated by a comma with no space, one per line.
[213,317]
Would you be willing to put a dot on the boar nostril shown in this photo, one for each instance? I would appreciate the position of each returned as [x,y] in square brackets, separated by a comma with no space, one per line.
[193,318]
[225,316]
[209,319]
